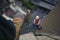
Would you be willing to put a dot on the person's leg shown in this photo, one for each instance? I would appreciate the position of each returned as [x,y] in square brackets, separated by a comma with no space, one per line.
[34,30]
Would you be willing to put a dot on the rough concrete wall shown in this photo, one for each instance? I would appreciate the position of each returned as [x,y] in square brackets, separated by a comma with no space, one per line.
[51,23]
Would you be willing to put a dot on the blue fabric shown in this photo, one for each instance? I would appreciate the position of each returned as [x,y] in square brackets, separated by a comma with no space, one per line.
[7,29]
[12,28]
[33,27]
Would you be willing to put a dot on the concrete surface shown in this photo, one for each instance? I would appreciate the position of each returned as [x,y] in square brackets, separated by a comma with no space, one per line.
[28,36]
[44,38]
